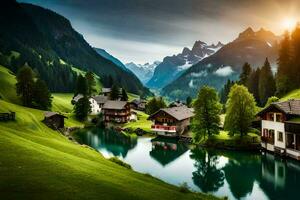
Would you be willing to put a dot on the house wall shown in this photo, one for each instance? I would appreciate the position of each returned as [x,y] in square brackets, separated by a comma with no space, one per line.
[182,126]
[277,127]
[95,109]
[121,116]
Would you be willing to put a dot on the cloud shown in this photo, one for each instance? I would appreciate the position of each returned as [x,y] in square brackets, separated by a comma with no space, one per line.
[199,74]
[224,71]
[191,83]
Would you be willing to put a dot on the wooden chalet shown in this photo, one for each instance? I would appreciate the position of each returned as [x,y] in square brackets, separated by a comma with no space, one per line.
[280,128]
[54,120]
[105,91]
[138,104]
[116,111]
[171,122]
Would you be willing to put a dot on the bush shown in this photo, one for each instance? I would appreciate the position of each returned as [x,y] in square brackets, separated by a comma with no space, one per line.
[184,188]
[120,162]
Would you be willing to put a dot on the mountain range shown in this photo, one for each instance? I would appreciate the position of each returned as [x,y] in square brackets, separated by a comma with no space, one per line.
[173,66]
[250,46]
[143,71]
[47,42]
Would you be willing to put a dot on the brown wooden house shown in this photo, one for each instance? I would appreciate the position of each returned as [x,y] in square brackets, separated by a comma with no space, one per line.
[54,120]
[116,111]
[171,122]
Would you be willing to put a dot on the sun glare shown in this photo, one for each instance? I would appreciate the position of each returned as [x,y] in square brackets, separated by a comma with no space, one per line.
[289,24]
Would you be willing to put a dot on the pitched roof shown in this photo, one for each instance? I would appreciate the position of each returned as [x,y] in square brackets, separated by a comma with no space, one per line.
[138,101]
[179,113]
[291,107]
[106,90]
[116,105]
[100,99]
[176,104]
[50,114]
[77,97]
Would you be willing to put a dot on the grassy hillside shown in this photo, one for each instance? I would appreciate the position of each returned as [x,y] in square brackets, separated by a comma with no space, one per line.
[295,94]
[39,163]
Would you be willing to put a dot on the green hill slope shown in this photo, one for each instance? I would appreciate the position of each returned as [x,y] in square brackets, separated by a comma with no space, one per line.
[39,163]
[295,94]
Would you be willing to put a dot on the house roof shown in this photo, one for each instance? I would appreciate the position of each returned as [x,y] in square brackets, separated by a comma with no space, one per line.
[48,114]
[138,101]
[116,105]
[176,104]
[100,99]
[179,113]
[290,107]
[106,90]
[77,97]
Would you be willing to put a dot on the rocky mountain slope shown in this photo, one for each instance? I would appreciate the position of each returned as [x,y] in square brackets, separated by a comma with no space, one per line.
[173,66]
[143,71]
[250,46]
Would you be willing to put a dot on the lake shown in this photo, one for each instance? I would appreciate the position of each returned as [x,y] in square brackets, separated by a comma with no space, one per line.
[237,175]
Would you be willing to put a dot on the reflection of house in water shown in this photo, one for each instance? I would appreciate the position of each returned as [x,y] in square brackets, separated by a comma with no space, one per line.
[279,178]
[166,150]
[114,142]
[273,171]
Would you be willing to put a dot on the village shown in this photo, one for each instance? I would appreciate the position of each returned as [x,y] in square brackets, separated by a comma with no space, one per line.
[278,122]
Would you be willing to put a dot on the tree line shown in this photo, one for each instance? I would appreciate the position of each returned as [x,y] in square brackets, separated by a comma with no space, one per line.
[32,89]
[262,82]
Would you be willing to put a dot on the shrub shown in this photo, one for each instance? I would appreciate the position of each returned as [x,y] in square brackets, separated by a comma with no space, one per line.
[120,162]
[184,188]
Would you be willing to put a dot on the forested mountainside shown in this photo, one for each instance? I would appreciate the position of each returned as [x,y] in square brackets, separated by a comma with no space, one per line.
[47,42]
[252,47]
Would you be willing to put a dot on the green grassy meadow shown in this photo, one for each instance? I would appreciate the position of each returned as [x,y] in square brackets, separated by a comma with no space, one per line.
[39,163]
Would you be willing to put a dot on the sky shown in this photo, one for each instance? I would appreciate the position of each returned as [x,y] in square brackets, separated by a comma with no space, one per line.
[143,31]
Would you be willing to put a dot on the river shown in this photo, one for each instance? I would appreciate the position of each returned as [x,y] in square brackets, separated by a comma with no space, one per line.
[237,175]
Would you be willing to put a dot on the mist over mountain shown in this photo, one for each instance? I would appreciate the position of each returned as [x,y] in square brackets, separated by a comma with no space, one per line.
[173,66]
[250,46]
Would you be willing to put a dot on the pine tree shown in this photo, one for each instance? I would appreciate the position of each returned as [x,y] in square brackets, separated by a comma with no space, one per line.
[91,83]
[42,96]
[283,84]
[154,105]
[253,84]
[225,91]
[124,96]
[207,113]
[82,108]
[188,101]
[240,110]
[267,85]
[81,86]
[295,67]
[244,76]
[115,92]
[25,85]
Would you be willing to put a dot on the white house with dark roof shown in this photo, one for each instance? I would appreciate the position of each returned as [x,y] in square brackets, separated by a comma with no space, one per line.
[171,122]
[280,128]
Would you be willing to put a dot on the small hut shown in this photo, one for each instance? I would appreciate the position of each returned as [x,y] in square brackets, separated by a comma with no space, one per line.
[54,120]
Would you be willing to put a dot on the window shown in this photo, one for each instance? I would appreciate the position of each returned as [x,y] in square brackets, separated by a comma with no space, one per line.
[271,116]
[278,117]
[280,136]
[271,133]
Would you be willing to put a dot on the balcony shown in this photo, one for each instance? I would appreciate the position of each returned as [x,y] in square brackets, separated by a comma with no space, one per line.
[267,140]
[116,113]
[171,129]
[292,127]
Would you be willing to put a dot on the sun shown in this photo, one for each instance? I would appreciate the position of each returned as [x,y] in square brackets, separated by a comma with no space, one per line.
[289,23]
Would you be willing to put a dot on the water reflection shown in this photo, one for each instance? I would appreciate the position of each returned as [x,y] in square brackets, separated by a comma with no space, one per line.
[165,150]
[107,139]
[238,175]
[207,175]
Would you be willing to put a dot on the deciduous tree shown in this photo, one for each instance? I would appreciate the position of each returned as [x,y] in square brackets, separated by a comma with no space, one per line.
[240,110]
[207,113]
